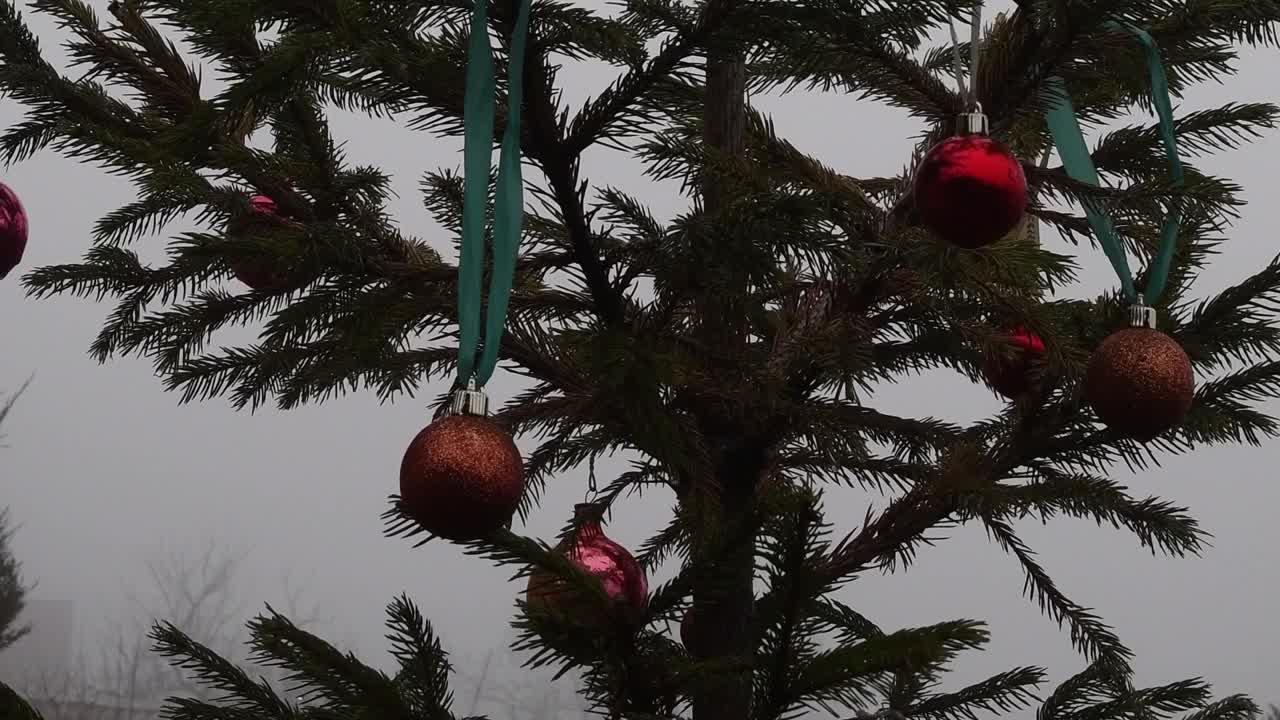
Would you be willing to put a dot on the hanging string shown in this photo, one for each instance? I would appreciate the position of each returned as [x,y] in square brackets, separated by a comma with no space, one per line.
[1158,276]
[479,111]
[975,53]
[1078,163]
[957,65]
[968,91]
[593,490]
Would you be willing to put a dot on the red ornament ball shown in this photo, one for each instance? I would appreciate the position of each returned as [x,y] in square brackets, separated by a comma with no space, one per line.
[13,230]
[1140,382]
[688,632]
[263,204]
[462,478]
[589,548]
[259,275]
[1010,374]
[970,191]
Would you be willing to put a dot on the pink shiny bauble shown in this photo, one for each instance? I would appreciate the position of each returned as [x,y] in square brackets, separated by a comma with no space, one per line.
[970,191]
[13,230]
[257,275]
[619,573]
[1010,375]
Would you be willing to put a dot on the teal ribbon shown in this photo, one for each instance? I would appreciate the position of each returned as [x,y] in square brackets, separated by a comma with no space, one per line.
[508,213]
[1076,160]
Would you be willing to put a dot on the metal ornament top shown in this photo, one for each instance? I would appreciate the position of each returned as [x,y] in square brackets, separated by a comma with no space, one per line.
[1142,316]
[973,122]
[470,400]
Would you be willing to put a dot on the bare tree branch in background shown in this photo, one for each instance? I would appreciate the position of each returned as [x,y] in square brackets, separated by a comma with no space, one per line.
[13,592]
[123,679]
[7,406]
[525,700]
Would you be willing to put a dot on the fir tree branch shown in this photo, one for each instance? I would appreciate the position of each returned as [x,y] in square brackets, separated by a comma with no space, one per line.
[323,675]
[850,625]
[1159,525]
[671,540]
[1087,687]
[1138,150]
[1237,325]
[547,146]
[215,672]
[424,665]
[787,552]
[624,107]
[894,531]
[840,675]
[1154,703]
[1234,707]
[853,468]
[1088,633]
[1004,693]
[1223,410]
[13,707]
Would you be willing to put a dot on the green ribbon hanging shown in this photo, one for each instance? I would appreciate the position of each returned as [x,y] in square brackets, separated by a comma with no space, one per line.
[508,212]
[1078,163]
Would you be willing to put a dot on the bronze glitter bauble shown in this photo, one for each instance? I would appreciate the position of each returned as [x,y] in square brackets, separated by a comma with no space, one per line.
[589,548]
[462,477]
[1140,382]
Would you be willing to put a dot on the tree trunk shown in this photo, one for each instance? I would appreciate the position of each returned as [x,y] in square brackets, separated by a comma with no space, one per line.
[723,598]
[723,594]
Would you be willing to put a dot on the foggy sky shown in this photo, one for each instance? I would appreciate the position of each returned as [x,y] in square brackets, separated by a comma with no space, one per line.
[103,467]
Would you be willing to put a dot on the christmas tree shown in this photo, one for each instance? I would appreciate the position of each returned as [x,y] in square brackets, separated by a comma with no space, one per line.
[735,350]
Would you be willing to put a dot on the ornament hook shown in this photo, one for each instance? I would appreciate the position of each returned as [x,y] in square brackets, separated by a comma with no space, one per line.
[592,494]
[470,400]
[1142,316]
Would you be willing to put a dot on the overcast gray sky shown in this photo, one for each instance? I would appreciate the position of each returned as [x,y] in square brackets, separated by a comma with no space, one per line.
[104,467]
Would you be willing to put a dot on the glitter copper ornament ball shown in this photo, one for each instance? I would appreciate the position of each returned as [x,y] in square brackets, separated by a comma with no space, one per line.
[1010,374]
[589,548]
[462,477]
[259,275]
[1140,382]
[970,191]
[13,230]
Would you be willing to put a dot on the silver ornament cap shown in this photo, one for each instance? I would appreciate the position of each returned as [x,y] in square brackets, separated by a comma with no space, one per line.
[1142,316]
[973,122]
[470,400]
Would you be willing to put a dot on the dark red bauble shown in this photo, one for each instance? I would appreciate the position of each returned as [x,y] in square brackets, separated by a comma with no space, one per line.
[260,275]
[970,191]
[589,548]
[1010,374]
[1140,382]
[462,478]
[255,277]
[13,230]
[688,631]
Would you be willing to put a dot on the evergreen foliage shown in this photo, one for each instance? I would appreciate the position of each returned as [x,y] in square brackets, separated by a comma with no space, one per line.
[13,591]
[743,380]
